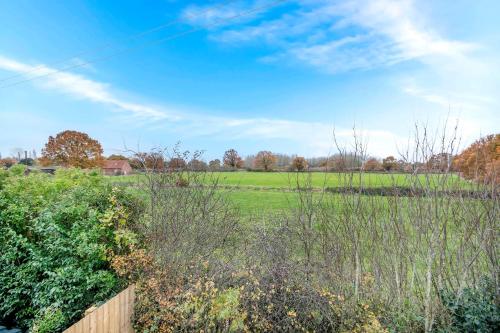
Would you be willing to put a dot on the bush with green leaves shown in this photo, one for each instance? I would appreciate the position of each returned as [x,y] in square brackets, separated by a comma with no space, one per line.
[58,235]
[473,309]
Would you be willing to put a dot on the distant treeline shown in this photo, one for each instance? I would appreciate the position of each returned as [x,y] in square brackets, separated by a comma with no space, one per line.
[480,161]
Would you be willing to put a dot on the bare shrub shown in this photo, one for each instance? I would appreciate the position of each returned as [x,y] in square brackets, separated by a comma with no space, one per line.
[413,246]
[188,218]
[336,261]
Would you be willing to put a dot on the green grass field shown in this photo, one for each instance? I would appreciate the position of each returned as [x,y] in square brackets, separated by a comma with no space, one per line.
[283,180]
[255,202]
[263,192]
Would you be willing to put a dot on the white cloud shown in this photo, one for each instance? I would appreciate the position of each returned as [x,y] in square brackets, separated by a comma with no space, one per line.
[446,102]
[397,20]
[472,112]
[338,36]
[309,138]
[313,137]
[80,87]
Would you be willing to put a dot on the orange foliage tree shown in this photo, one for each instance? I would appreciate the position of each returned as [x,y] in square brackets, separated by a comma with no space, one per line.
[72,149]
[177,163]
[264,160]
[481,160]
[232,159]
[116,157]
[299,163]
[7,162]
[372,164]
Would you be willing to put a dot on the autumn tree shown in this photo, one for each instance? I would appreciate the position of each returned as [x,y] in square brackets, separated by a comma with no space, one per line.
[7,162]
[232,159]
[136,163]
[197,165]
[390,163]
[177,163]
[214,165]
[481,160]
[264,160]
[372,164]
[151,161]
[342,162]
[72,149]
[117,157]
[299,163]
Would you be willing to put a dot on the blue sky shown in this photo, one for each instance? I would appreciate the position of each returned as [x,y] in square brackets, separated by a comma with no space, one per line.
[281,78]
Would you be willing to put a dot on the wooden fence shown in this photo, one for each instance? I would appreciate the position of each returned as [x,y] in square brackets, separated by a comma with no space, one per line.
[114,316]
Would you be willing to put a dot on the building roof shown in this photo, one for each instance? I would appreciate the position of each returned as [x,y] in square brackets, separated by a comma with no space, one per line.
[115,164]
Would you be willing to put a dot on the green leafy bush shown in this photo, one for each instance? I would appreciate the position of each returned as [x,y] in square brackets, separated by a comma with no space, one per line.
[474,309]
[58,235]
[17,169]
[50,320]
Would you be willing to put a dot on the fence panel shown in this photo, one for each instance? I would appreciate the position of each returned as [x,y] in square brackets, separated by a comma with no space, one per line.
[114,316]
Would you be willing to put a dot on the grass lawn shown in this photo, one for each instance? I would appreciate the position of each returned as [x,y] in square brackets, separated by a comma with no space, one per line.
[284,180]
[257,193]
[261,202]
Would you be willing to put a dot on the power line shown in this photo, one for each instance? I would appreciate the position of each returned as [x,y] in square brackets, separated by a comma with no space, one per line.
[110,44]
[175,36]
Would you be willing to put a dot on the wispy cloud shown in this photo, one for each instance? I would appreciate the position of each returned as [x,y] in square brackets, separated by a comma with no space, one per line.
[338,36]
[218,15]
[80,87]
[446,102]
[313,137]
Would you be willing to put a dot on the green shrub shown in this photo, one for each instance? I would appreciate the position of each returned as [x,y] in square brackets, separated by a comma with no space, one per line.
[50,320]
[17,169]
[3,177]
[58,235]
[475,309]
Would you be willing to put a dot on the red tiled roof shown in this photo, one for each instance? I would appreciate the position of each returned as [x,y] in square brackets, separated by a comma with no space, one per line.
[115,164]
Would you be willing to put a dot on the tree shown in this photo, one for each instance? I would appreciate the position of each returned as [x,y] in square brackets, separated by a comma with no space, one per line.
[299,163]
[72,149]
[27,161]
[337,163]
[249,161]
[197,165]
[176,163]
[136,163]
[152,161]
[117,157]
[7,162]
[481,160]
[284,160]
[232,159]
[214,165]
[390,163]
[439,162]
[372,164]
[264,160]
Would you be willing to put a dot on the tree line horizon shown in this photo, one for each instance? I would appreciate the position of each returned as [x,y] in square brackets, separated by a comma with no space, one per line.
[70,148]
